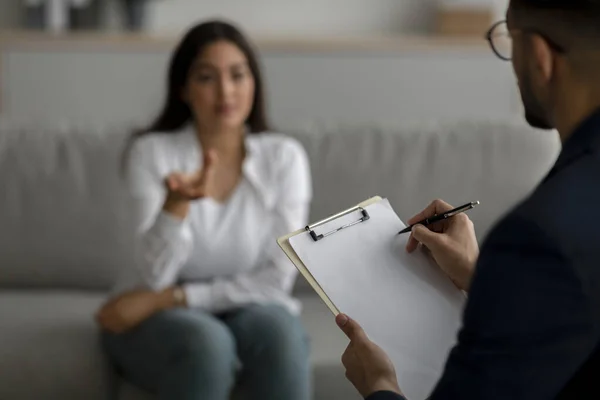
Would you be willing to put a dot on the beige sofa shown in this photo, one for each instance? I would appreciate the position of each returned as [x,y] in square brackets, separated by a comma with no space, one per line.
[65,230]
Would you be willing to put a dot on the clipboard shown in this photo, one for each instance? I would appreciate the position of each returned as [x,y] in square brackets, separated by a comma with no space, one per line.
[357,264]
[284,244]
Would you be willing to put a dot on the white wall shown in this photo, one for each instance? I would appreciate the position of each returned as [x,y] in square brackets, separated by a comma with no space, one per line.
[9,14]
[293,17]
[281,17]
[122,86]
[272,17]
[312,17]
[339,85]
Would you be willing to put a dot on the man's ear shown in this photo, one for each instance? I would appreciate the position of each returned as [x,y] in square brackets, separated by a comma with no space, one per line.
[543,57]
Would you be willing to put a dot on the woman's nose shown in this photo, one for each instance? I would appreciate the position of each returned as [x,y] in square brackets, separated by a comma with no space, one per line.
[226,87]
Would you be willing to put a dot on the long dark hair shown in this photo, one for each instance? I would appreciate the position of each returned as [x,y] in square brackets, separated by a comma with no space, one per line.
[175,113]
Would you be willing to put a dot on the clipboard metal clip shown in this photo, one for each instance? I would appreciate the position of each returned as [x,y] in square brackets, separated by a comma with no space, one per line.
[316,238]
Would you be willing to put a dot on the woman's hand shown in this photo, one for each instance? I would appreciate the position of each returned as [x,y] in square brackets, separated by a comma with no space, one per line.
[183,188]
[128,310]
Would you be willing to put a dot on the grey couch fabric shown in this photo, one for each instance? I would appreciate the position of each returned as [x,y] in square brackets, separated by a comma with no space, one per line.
[49,346]
[496,162]
[65,218]
[65,230]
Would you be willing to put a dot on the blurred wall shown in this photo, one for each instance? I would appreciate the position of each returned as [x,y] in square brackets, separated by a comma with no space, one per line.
[10,14]
[280,17]
[292,17]
[270,17]
[122,84]
[116,83]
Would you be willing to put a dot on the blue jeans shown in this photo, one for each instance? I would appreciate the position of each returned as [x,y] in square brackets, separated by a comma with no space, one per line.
[187,354]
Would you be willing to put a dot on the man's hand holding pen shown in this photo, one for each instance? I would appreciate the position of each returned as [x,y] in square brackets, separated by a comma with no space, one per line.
[452,243]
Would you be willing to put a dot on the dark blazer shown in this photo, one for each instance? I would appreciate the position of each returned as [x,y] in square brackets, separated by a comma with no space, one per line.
[531,326]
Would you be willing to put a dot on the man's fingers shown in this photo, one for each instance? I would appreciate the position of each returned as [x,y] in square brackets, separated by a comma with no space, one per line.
[429,238]
[412,244]
[436,207]
[348,353]
[351,328]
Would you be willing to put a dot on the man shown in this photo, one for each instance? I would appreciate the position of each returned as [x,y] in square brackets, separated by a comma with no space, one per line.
[531,327]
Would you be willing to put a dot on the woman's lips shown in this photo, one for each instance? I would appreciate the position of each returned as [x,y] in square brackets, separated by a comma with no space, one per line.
[224,109]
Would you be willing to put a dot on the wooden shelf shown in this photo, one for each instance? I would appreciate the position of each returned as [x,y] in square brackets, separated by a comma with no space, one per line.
[99,41]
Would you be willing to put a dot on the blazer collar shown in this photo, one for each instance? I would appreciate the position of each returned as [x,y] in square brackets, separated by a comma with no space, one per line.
[585,139]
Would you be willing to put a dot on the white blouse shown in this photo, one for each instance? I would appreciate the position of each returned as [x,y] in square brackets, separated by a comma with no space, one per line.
[223,254]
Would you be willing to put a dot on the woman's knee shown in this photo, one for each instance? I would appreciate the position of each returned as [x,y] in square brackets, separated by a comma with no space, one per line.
[271,330]
[182,345]
[202,340]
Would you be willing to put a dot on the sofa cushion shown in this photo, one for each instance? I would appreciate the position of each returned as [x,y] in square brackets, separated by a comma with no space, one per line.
[63,207]
[50,346]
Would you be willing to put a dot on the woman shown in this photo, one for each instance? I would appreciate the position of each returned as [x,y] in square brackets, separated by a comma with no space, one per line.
[209,300]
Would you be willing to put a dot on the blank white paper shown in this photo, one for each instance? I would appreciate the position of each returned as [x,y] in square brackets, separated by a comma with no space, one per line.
[403,301]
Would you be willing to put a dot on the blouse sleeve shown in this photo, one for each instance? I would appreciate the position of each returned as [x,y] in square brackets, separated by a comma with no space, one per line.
[163,241]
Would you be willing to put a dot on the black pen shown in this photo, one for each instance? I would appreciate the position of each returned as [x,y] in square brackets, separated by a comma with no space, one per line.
[441,217]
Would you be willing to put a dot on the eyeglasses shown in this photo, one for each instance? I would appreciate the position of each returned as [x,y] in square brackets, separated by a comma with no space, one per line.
[501,42]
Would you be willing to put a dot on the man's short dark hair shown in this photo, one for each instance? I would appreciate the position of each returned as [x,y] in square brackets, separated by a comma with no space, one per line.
[560,4]
[572,22]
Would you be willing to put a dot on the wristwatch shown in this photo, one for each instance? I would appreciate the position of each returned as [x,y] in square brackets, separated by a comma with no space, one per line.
[179,296]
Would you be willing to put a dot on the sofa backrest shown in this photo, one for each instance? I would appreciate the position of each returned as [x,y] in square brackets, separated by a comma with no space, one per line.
[65,218]
[493,161]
